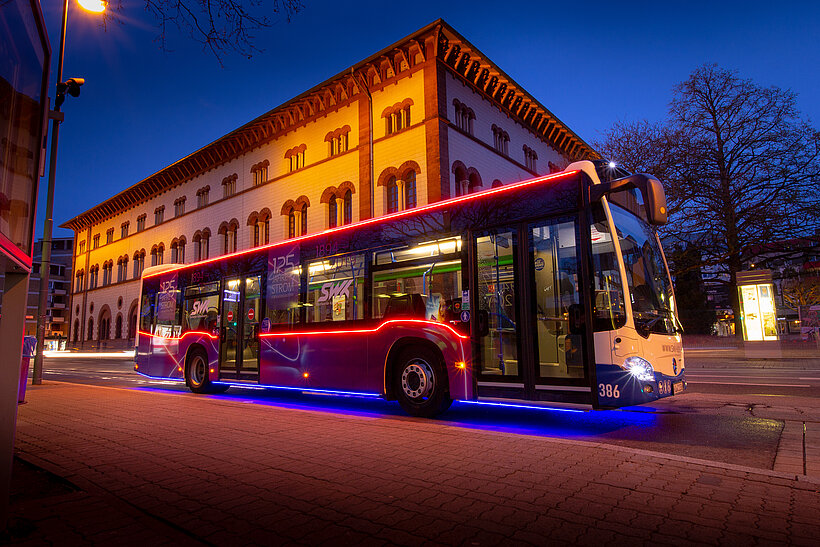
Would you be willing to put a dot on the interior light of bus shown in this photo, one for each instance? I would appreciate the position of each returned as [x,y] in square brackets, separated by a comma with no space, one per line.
[305,374]
[375,220]
[212,371]
[461,364]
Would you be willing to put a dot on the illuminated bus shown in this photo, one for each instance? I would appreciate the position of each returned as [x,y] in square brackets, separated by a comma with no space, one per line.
[552,291]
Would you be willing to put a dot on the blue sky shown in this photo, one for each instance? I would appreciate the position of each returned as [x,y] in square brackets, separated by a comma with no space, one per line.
[591,63]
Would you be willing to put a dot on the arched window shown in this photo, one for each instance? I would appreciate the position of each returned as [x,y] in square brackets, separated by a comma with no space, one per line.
[392,195]
[410,190]
[304,219]
[118,327]
[90,333]
[76,330]
[348,207]
[180,251]
[139,263]
[332,212]
[292,224]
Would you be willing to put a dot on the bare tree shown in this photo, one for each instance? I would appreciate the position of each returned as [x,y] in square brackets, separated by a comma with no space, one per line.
[221,26]
[739,165]
[801,292]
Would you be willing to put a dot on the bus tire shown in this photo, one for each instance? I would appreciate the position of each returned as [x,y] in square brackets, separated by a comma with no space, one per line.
[420,382]
[196,373]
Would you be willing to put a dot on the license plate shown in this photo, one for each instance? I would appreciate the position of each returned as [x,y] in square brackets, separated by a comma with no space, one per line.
[677,387]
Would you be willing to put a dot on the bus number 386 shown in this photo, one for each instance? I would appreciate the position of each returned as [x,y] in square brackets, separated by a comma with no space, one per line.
[609,390]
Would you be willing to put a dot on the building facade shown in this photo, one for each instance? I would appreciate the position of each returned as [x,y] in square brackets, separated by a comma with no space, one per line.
[427,118]
[59,291]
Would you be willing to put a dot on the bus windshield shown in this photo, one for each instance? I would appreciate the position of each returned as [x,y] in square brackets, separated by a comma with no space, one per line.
[650,288]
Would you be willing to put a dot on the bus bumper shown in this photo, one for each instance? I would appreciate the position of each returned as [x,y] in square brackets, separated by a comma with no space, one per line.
[617,387]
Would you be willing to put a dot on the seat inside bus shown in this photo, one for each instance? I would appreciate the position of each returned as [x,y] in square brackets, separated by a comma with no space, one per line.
[405,306]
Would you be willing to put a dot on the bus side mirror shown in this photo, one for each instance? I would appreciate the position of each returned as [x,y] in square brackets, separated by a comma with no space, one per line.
[654,200]
[651,189]
[483,320]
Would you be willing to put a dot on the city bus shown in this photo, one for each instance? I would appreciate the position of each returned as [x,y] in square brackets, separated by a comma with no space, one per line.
[552,291]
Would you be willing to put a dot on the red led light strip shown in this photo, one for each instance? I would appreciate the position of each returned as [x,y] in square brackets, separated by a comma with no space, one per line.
[374,220]
[363,331]
[184,334]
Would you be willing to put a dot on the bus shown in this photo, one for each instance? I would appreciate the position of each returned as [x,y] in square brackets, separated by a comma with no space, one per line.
[552,291]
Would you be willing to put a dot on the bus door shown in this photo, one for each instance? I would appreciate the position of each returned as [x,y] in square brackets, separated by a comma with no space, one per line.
[239,340]
[531,342]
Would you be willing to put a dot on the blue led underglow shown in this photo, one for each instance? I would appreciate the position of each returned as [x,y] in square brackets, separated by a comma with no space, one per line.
[301,389]
[528,407]
[160,377]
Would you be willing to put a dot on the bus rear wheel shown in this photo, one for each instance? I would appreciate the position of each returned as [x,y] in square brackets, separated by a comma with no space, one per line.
[421,383]
[196,373]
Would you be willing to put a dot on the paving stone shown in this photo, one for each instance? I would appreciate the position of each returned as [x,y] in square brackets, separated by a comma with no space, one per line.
[268,474]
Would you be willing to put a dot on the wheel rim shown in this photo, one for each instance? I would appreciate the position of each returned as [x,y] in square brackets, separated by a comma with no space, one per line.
[418,379]
[198,371]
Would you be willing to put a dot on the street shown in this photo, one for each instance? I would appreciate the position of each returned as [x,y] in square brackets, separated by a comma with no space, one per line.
[727,414]
[261,466]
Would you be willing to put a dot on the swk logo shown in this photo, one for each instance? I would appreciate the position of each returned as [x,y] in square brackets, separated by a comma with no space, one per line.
[334,288]
[200,307]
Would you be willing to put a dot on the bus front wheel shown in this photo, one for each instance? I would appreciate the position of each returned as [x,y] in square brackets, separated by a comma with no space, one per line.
[196,373]
[421,383]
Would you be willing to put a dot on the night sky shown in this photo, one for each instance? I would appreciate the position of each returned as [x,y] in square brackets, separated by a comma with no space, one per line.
[590,63]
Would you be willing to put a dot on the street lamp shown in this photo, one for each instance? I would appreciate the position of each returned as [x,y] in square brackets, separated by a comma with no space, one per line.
[72,87]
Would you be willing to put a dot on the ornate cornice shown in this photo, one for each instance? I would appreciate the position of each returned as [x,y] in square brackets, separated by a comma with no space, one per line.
[435,41]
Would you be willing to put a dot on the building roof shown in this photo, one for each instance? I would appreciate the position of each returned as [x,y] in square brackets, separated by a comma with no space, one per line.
[437,38]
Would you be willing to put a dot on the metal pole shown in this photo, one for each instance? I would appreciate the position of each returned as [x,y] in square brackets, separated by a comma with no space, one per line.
[45,262]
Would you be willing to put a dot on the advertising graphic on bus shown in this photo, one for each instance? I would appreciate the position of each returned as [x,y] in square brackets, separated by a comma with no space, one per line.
[552,291]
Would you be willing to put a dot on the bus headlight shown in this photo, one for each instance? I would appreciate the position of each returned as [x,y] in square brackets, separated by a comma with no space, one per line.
[640,368]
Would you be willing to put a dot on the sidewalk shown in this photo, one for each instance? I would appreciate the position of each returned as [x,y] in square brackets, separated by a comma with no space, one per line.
[162,467]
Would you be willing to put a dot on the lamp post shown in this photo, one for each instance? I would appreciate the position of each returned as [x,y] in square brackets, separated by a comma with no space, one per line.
[72,86]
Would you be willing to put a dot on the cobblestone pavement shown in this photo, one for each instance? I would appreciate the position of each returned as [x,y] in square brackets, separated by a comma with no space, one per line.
[178,468]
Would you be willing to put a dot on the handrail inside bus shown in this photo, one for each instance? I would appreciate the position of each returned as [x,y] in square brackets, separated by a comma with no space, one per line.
[374,220]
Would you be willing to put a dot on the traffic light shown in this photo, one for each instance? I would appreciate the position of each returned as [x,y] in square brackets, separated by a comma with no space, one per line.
[70,86]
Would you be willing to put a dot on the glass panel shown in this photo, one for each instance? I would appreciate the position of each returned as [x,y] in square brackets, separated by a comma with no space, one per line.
[650,288]
[147,313]
[168,308]
[336,289]
[430,291]
[250,339]
[21,78]
[205,288]
[608,311]
[496,297]
[555,270]
[200,313]
[230,322]
[284,280]
[421,250]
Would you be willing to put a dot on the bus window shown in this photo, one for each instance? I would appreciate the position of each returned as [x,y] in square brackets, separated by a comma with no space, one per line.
[336,289]
[283,287]
[422,250]
[434,289]
[147,313]
[168,311]
[201,308]
[608,309]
